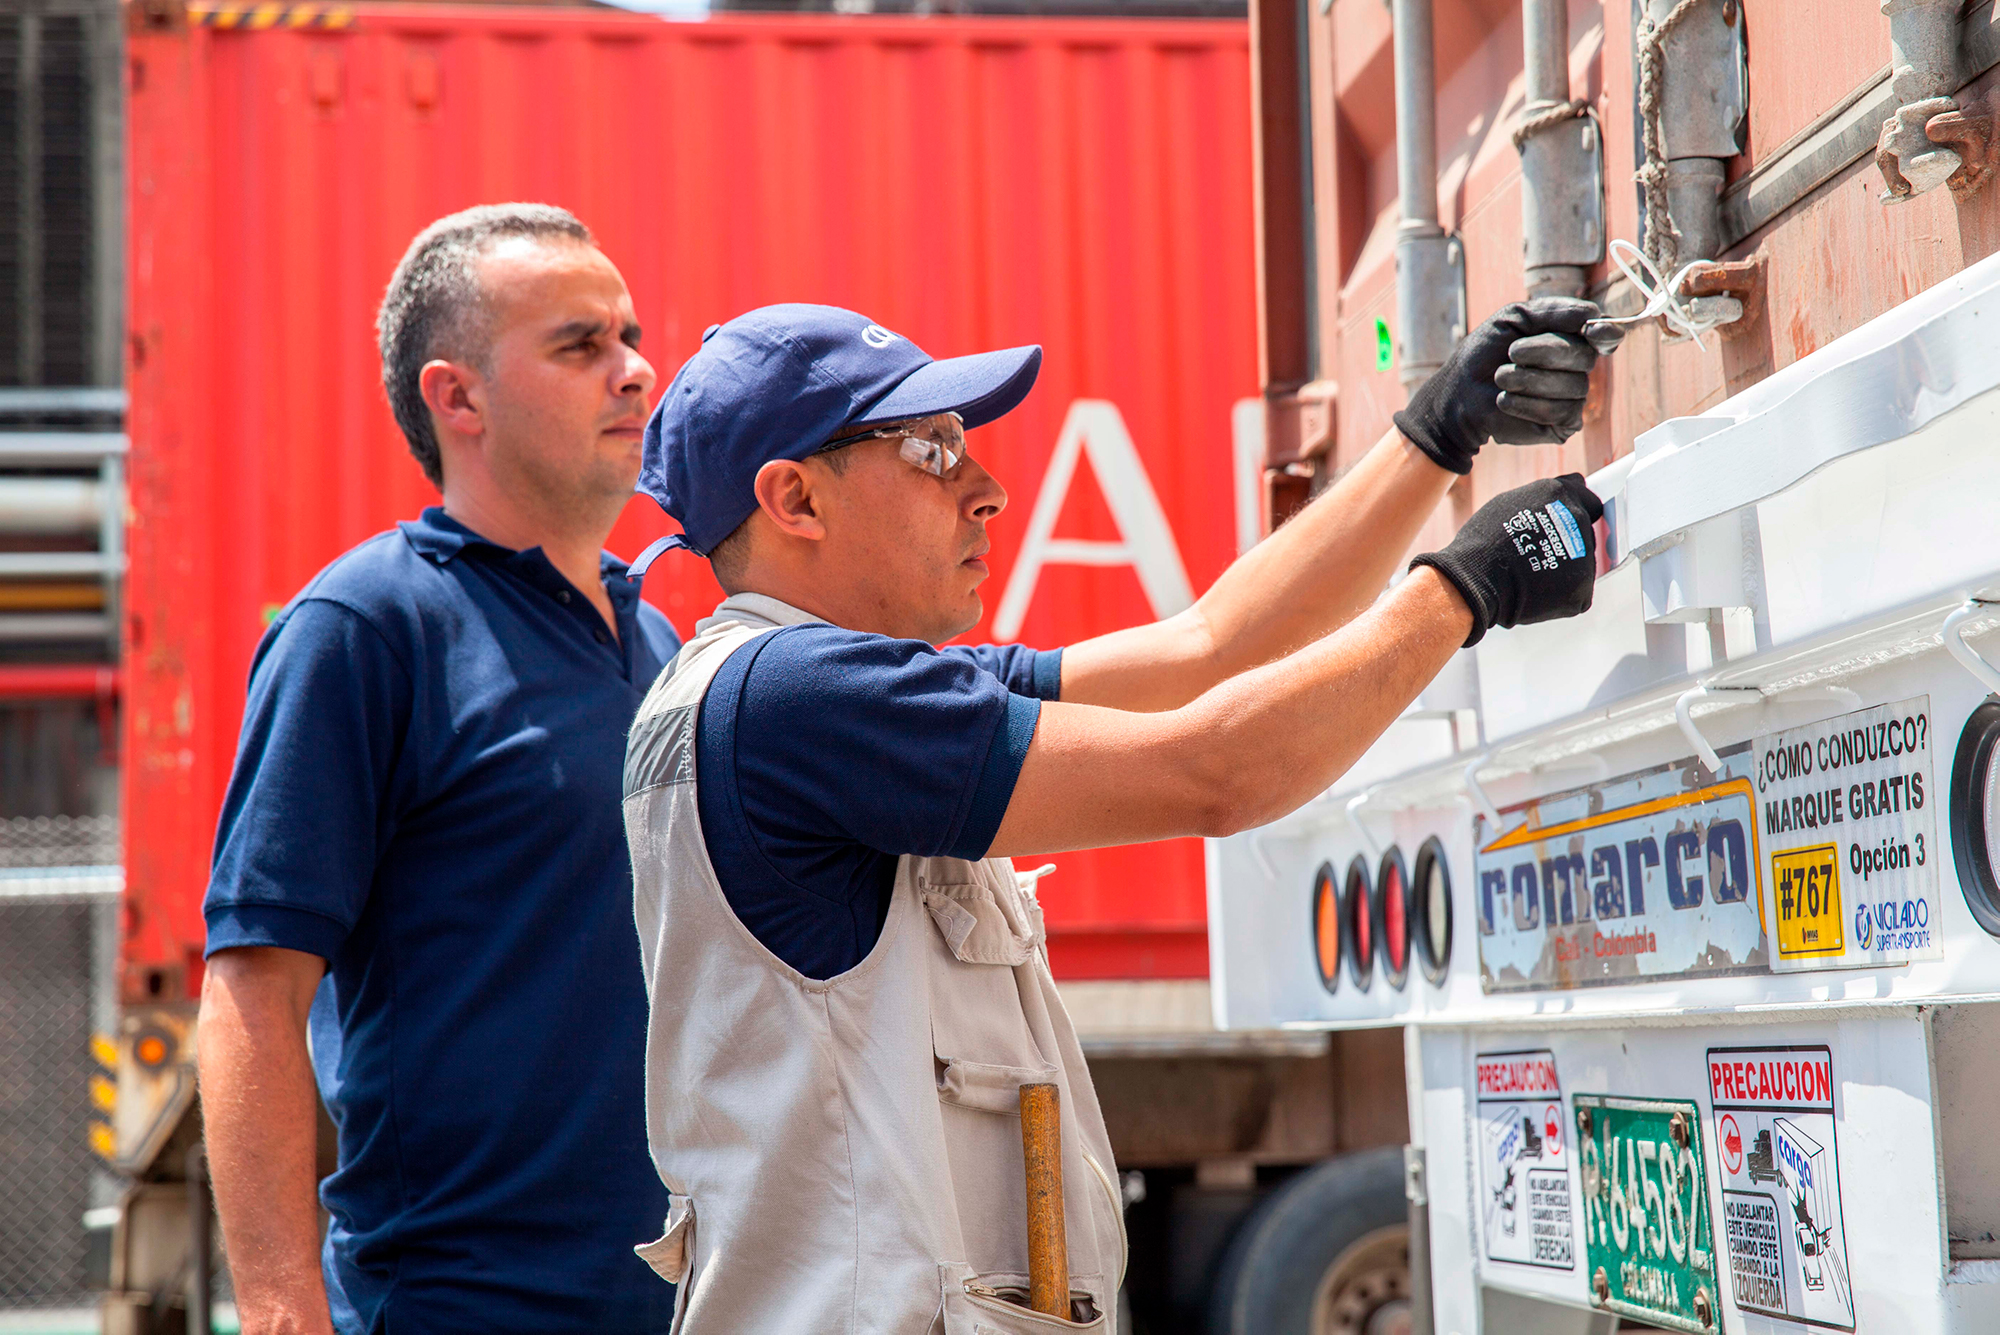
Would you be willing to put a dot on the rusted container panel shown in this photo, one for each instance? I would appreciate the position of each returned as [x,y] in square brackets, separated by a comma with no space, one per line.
[971,183]
[1804,54]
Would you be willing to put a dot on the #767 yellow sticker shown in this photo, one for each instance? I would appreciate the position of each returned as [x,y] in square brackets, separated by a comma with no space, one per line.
[1808,901]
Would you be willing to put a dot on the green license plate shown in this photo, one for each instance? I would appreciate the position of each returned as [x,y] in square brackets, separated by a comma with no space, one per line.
[1646,1224]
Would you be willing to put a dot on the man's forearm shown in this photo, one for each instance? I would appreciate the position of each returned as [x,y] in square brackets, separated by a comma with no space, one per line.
[260,1111]
[1307,579]
[1246,752]
[1282,733]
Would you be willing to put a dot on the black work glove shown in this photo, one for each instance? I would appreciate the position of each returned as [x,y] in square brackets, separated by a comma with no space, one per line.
[1527,555]
[1520,379]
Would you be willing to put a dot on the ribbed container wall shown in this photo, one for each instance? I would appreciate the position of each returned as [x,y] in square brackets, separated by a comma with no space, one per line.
[971,183]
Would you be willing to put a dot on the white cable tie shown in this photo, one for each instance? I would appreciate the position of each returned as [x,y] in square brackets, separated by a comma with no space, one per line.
[1662,294]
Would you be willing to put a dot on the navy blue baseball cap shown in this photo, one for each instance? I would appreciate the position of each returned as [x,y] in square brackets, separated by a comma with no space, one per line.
[781,381]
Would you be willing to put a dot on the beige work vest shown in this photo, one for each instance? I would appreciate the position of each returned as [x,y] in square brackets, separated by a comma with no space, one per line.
[845,1155]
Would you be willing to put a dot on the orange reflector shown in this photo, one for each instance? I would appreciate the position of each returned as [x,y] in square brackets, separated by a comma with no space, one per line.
[102,1141]
[151,1050]
[103,1093]
[1326,927]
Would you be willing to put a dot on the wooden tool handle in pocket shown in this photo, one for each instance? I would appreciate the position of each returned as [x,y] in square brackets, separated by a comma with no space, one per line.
[1048,1247]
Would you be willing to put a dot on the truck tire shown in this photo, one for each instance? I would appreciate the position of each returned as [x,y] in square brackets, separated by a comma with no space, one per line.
[1326,1254]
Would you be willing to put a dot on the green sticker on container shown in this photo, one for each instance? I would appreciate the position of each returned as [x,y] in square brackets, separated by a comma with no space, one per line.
[1384,350]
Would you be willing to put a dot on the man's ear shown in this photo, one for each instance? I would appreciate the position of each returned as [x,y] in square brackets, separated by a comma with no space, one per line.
[787,493]
[455,396]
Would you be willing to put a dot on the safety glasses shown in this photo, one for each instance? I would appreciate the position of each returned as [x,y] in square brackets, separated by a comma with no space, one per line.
[934,444]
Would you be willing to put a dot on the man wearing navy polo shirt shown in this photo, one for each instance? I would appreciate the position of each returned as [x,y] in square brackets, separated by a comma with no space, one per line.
[420,866]
[848,983]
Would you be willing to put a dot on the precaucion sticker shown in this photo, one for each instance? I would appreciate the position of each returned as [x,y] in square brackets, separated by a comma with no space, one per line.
[1845,811]
[1524,1160]
[1781,1215]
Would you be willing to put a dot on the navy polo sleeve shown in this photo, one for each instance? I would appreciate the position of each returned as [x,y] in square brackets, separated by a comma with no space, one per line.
[304,817]
[1024,671]
[837,737]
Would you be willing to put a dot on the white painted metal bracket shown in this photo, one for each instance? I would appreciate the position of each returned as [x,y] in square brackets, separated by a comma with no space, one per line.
[1684,715]
[1593,764]
[1354,805]
[1841,696]
[1847,701]
[1879,383]
[1481,803]
[1954,641]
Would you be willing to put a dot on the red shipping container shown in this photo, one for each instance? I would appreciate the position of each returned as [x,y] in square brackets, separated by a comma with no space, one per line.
[971,183]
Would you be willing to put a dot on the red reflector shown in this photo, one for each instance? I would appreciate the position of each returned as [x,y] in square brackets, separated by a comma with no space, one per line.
[1395,923]
[1360,924]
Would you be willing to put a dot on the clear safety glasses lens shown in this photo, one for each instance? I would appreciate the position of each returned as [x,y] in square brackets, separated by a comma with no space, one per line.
[936,445]
[933,450]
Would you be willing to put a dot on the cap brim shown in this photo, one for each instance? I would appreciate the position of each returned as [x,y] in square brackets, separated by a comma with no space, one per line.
[979,388]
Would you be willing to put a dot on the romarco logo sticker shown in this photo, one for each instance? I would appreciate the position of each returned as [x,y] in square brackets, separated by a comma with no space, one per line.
[1650,875]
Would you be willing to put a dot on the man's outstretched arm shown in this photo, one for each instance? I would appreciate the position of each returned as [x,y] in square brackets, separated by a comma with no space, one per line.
[260,1118]
[1520,378]
[1246,752]
[1310,577]
[1263,742]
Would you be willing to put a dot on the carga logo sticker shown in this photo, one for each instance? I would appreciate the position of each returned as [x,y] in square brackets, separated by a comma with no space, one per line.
[1640,877]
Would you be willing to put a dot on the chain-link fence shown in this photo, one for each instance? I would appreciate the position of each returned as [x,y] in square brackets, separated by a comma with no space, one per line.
[65,847]
[59,886]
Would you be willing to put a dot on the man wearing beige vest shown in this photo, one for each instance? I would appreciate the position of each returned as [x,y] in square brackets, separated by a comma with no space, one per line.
[847,975]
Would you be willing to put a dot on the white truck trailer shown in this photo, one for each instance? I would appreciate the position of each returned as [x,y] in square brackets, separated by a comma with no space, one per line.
[1689,909]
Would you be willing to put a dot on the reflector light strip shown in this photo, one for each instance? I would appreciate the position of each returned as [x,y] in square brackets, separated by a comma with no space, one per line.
[254,17]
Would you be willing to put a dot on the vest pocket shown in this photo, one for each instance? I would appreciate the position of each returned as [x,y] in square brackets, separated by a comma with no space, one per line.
[986,929]
[997,1305]
[981,927]
[986,1087]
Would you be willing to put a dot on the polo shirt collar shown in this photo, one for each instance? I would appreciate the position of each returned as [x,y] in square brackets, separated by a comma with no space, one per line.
[438,537]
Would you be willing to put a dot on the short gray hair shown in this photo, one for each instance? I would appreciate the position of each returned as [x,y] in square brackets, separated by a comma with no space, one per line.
[434,305]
